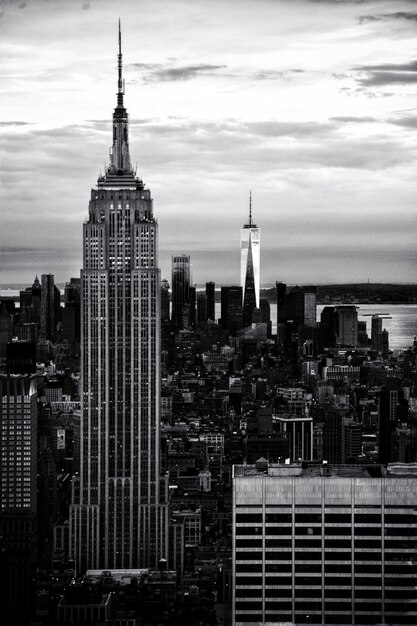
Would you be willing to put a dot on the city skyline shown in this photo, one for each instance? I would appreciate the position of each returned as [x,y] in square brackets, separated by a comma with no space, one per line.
[309,104]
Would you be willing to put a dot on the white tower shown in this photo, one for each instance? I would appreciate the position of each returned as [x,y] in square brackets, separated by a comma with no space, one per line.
[250,261]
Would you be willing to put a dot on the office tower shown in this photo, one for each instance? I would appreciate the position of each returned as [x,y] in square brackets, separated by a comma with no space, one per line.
[165,301]
[118,516]
[324,544]
[385,343]
[249,267]
[36,301]
[20,357]
[390,399]
[18,480]
[231,308]
[376,331]
[71,316]
[281,290]
[192,306]
[211,301]
[265,309]
[201,307]
[6,328]
[347,325]
[181,278]
[300,306]
[50,306]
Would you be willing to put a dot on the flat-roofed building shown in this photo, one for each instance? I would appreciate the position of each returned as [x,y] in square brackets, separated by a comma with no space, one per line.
[324,544]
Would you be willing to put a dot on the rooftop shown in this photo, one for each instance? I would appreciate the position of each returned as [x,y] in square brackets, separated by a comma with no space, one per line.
[312,470]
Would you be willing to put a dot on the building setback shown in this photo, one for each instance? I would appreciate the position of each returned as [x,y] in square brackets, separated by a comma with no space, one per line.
[118,516]
[324,544]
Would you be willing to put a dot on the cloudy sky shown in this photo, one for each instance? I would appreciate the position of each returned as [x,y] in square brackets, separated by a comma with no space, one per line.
[311,104]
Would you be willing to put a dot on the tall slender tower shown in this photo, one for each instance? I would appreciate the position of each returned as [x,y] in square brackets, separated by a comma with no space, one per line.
[249,266]
[119,514]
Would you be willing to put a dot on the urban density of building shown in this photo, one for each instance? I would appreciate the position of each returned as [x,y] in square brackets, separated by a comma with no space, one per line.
[163,464]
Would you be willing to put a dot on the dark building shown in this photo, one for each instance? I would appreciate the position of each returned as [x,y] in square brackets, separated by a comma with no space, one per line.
[165,301]
[211,301]
[21,357]
[300,306]
[266,314]
[71,316]
[281,290]
[50,311]
[6,327]
[18,481]
[181,276]
[192,307]
[231,308]
[201,307]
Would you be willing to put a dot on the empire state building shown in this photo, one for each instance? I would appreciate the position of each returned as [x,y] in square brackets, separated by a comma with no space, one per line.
[119,516]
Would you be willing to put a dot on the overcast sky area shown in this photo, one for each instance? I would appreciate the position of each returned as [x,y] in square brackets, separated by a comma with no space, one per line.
[311,104]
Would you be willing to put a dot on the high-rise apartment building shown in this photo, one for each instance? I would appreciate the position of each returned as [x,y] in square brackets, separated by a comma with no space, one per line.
[324,544]
[181,282]
[250,258]
[118,516]
[18,493]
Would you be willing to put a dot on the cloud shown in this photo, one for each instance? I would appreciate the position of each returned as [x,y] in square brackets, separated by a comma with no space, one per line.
[406,122]
[397,15]
[387,74]
[158,72]
[353,119]
[15,123]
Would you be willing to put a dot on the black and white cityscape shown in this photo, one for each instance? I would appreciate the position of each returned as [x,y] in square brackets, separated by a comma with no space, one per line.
[226,437]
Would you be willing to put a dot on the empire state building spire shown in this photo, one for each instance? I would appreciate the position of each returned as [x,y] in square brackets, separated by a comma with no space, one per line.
[119,152]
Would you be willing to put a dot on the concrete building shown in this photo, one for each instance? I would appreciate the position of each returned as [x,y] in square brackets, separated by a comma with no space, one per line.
[118,516]
[181,283]
[18,494]
[324,544]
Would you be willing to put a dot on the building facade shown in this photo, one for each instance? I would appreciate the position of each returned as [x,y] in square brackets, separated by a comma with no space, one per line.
[18,495]
[324,545]
[118,516]
[181,283]
[250,270]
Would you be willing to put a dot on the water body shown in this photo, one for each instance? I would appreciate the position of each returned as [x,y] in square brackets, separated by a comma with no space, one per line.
[401,328]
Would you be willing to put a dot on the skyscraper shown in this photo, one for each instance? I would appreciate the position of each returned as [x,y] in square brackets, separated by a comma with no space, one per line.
[18,479]
[211,300]
[231,308]
[181,282]
[249,267]
[118,516]
[324,544]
